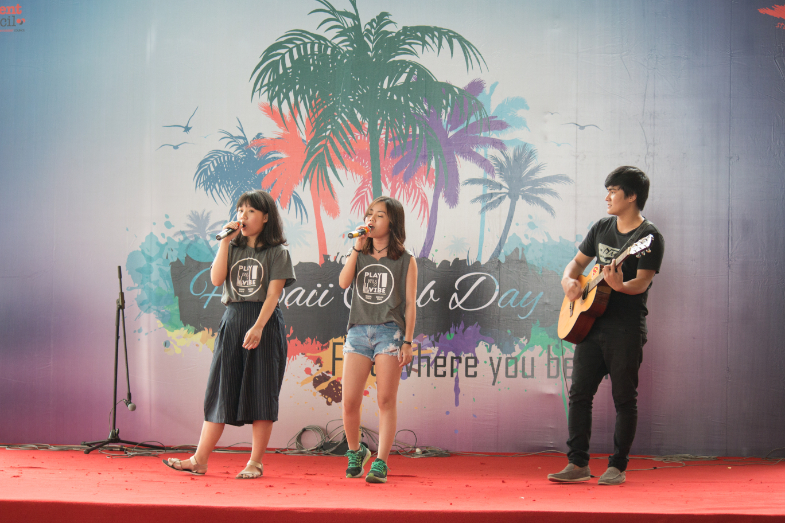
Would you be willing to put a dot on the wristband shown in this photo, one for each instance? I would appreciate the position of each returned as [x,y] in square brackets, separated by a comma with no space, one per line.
[405,342]
[355,249]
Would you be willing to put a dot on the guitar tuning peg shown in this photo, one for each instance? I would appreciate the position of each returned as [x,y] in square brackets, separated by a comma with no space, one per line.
[648,250]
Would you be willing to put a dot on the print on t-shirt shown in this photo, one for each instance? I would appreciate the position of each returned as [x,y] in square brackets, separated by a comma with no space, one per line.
[606,254]
[246,277]
[374,284]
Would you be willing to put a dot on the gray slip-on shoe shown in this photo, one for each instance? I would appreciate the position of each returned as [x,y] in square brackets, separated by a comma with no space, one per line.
[612,476]
[571,474]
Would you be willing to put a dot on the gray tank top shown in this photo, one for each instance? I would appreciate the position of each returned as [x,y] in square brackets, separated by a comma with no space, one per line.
[379,290]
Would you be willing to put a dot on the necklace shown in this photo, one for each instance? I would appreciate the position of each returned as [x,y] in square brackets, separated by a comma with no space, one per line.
[379,250]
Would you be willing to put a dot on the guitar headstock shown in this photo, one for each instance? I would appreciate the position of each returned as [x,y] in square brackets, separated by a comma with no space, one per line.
[641,247]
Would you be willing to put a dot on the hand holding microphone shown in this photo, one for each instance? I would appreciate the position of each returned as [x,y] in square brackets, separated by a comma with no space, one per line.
[229,229]
[361,231]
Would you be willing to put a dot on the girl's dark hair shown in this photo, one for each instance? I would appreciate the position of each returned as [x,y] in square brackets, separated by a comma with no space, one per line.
[397,227]
[272,233]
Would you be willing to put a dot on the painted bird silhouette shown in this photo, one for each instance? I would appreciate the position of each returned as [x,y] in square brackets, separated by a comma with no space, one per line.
[582,127]
[186,128]
[175,147]
[559,144]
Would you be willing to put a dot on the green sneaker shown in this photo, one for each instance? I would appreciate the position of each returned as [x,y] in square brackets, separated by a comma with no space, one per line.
[357,460]
[378,472]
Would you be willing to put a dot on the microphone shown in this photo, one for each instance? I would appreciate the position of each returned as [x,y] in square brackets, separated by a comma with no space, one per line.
[361,230]
[130,404]
[224,233]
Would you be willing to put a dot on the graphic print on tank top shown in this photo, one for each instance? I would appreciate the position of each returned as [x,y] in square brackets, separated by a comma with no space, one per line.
[246,277]
[374,284]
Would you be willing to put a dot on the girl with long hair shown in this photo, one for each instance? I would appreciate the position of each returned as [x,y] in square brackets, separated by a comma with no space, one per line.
[381,326]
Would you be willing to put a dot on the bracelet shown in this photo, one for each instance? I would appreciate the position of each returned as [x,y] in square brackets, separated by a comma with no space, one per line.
[355,249]
[405,342]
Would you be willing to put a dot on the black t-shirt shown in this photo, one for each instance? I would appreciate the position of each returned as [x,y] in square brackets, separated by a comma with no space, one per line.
[605,242]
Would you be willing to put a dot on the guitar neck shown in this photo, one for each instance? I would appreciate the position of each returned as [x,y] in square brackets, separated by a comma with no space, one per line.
[598,279]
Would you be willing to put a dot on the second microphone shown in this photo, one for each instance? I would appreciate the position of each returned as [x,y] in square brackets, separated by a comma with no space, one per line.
[361,230]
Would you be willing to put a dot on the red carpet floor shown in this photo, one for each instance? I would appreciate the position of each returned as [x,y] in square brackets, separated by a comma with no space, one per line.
[71,486]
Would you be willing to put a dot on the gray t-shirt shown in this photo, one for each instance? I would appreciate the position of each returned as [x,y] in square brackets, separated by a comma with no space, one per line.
[379,290]
[250,272]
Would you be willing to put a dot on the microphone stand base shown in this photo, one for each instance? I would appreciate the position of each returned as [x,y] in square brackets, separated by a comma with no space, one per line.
[114,439]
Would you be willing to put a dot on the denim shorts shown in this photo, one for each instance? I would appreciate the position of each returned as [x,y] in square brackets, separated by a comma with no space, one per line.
[370,340]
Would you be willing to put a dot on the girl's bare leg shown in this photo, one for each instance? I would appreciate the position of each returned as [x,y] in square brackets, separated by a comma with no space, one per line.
[388,376]
[211,433]
[356,369]
[261,437]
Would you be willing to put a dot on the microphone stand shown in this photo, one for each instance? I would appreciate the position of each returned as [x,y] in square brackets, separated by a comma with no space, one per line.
[114,433]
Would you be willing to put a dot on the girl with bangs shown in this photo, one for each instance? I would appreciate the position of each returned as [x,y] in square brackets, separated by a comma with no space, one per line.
[381,326]
[249,359]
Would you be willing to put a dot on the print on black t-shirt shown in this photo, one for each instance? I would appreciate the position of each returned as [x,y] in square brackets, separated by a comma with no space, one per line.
[606,254]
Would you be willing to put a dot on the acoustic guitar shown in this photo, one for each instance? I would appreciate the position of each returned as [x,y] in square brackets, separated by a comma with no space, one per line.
[577,317]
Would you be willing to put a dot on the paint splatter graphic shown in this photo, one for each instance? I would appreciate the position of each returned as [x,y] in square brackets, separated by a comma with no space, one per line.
[777,11]
[507,306]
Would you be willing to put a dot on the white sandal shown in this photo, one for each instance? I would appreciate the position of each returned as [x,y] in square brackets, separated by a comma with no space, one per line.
[177,464]
[251,471]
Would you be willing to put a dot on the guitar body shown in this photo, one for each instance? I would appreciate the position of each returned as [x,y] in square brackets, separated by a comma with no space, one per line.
[577,317]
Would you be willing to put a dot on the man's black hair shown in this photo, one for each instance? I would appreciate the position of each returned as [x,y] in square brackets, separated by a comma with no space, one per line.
[632,181]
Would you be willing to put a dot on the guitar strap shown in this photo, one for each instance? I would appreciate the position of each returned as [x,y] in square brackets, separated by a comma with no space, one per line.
[635,237]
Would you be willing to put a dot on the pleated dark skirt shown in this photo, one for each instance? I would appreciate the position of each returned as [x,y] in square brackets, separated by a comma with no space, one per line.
[244,385]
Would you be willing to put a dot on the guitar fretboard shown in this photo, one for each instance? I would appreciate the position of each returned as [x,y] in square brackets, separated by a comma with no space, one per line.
[597,279]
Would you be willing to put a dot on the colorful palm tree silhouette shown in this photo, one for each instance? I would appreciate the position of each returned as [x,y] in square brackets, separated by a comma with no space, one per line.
[411,190]
[226,174]
[296,234]
[200,225]
[508,110]
[285,171]
[360,79]
[520,180]
[460,138]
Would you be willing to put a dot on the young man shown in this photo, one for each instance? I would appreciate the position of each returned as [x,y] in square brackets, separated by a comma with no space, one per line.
[615,343]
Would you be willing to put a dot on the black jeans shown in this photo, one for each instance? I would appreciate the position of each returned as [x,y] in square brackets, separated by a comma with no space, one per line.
[612,349]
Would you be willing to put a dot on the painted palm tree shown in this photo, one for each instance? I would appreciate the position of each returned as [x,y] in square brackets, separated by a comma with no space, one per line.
[508,110]
[296,234]
[285,171]
[360,78]
[458,246]
[411,191]
[226,174]
[518,178]
[200,226]
[460,138]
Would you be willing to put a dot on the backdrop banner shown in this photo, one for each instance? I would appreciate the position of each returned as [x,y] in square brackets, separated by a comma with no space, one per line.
[128,131]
